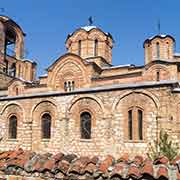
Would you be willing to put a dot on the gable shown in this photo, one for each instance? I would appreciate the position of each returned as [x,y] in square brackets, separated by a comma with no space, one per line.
[68,68]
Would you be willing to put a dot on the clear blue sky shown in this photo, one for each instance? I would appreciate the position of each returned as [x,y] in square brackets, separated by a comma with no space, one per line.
[47,23]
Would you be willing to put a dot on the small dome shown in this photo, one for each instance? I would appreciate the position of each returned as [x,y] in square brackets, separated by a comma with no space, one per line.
[161,36]
[88,28]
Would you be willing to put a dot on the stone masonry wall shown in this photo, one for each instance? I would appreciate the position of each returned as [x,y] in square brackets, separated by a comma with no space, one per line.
[109,121]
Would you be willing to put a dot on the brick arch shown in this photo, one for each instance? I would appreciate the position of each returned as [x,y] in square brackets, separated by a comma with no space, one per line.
[70,64]
[97,34]
[83,104]
[43,107]
[13,85]
[137,100]
[11,104]
[79,35]
[92,97]
[145,92]
[8,111]
[150,73]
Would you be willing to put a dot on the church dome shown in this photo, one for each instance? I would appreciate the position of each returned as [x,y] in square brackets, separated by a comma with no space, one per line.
[90,42]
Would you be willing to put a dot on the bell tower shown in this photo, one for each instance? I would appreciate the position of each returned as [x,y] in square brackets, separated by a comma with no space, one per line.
[12,60]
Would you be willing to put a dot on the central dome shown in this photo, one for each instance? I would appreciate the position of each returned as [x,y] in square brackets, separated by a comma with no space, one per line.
[90,42]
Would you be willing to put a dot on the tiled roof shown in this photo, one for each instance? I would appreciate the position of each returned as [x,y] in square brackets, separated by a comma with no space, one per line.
[61,166]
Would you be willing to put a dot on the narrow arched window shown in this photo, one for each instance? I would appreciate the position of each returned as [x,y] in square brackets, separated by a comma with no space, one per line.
[13,127]
[140,124]
[79,47]
[167,49]
[130,126]
[46,126]
[85,123]
[17,91]
[158,50]
[157,75]
[65,86]
[96,47]
[73,85]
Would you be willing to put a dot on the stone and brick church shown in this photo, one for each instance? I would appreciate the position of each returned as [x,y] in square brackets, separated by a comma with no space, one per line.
[84,104]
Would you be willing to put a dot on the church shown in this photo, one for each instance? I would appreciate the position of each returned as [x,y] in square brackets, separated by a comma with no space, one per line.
[84,104]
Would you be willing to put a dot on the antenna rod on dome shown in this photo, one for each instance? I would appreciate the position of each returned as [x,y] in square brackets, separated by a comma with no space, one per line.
[159,27]
[90,20]
[2,9]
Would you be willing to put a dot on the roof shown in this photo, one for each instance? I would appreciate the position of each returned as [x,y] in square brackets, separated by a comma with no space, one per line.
[147,84]
[161,36]
[4,18]
[89,29]
[71,166]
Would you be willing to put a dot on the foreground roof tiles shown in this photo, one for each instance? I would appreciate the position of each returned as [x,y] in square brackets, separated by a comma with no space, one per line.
[61,166]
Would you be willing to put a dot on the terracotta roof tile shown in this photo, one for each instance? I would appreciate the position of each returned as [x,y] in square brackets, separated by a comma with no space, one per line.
[106,163]
[162,172]
[148,168]
[134,171]
[61,166]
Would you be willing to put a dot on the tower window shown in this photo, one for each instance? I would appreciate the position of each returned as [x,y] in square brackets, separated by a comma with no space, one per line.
[13,127]
[96,47]
[12,70]
[85,125]
[158,50]
[167,48]
[157,76]
[79,47]
[46,126]
[17,91]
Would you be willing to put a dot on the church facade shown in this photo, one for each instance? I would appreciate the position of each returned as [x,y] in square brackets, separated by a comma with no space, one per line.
[84,104]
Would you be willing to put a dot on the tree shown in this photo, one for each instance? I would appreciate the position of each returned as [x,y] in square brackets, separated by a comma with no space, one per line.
[163,147]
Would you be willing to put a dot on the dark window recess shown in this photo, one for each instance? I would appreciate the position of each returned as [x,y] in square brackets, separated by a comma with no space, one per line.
[158,50]
[157,76]
[85,124]
[96,47]
[46,126]
[69,86]
[13,127]
[130,133]
[12,70]
[79,47]
[140,124]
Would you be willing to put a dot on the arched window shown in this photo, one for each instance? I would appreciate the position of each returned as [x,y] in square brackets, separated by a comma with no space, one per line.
[69,86]
[96,47]
[140,124]
[167,49]
[79,47]
[46,126]
[130,129]
[158,50]
[13,127]
[135,124]
[17,91]
[85,124]
[157,75]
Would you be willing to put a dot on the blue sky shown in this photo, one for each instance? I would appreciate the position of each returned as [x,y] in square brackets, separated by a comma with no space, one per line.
[47,23]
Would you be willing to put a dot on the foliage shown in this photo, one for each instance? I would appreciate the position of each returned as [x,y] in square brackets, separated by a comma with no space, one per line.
[163,147]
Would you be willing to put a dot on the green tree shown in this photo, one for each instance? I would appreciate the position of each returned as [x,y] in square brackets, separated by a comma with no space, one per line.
[163,147]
